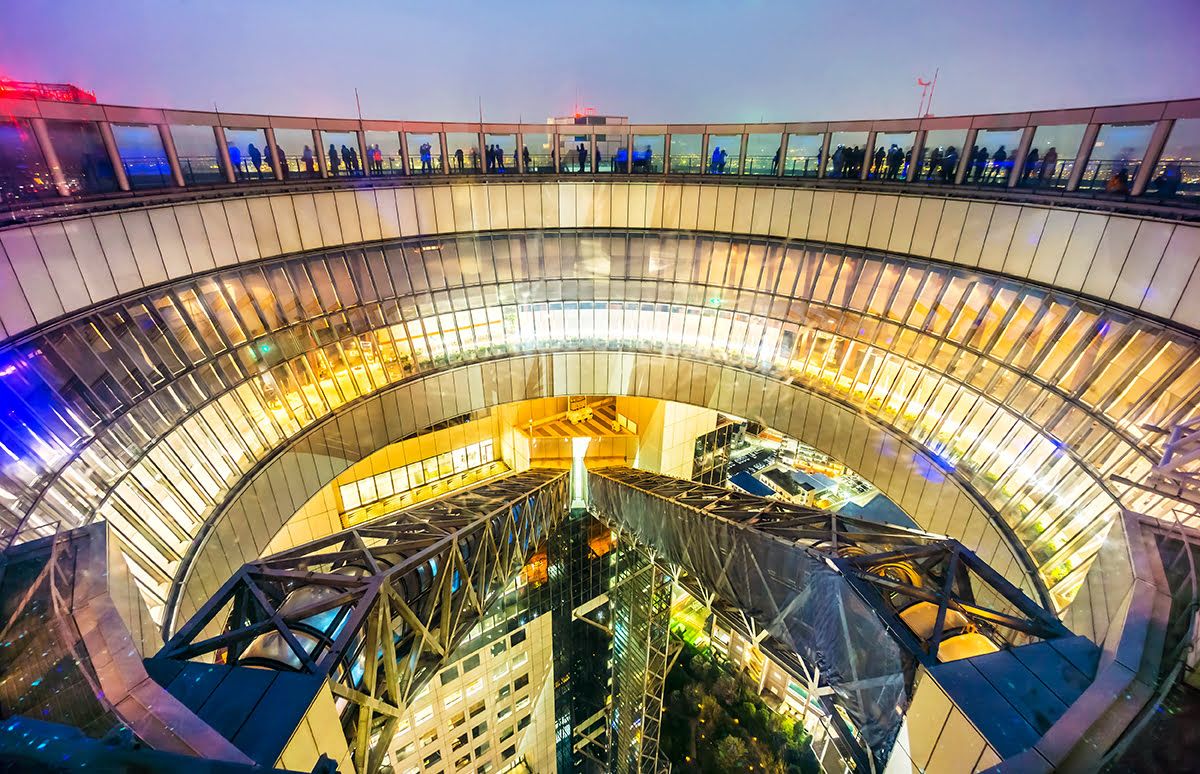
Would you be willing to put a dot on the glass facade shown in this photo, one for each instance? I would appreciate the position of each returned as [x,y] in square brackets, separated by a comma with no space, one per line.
[342,153]
[1178,170]
[647,154]
[993,155]
[384,156]
[199,160]
[803,155]
[1052,155]
[247,149]
[892,156]
[24,175]
[762,154]
[143,156]
[724,154]
[686,150]
[941,155]
[1116,157]
[144,413]
[82,156]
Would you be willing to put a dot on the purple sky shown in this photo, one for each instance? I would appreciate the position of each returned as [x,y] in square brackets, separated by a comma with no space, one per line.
[686,61]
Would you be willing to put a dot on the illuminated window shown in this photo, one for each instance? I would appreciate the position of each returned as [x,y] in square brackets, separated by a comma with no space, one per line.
[424,715]
[522,703]
[475,686]
[429,738]
[453,698]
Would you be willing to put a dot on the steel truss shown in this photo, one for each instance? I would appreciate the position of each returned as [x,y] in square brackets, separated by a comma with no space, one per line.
[837,592]
[377,608]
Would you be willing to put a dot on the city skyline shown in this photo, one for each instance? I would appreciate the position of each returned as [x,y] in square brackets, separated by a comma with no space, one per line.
[696,62]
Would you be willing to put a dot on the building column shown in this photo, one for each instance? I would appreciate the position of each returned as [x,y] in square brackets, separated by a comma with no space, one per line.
[593,144]
[744,151]
[482,151]
[1158,140]
[322,161]
[273,153]
[1082,156]
[520,161]
[42,135]
[783,151]
[445,158]
[168,143]
[629,153]
[555,151]
[704,153]
[114,155]
[868,156]
[364,161]
[824,160]
[223,155]
[964,158]
[1019,156]
[666,159]
[403,153]
[912,173]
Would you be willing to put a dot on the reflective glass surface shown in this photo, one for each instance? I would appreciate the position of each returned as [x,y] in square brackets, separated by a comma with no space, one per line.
[541,153]
[142,155]
[847,154]
[500,153]
[1178,170]
[1052,155]
[941,154]
[383,153]
[607,147]
[196,147]
[145,413]
[647,154]
[342,153]
[762,154]
[463,148]
[724,154]
[246,154]
[82,156]
[992,156]
[23,171]
[892,155]
[803,155]
[574,152]
[1116,157]
[425,151]
[685,153]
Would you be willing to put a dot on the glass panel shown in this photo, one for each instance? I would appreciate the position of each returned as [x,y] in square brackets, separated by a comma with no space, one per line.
[341,151]
[463,148]
[297,157]
[762,154]
[573,152]
[803,155]
[1052,155]
[607,148]
[685,153]
[23,172]
[1178,170]
[1116,157]
[245,153]
[82,156]
[196,147]
[724,151]
[424,148]
[142,155]
[991,156]
[501,150]
[383,153]
[538,152]
[647,153]
[893,152]
[940,155]
[846,154]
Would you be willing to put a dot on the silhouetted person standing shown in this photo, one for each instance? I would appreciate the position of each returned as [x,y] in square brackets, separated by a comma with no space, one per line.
[998,169]
[715,165]
[283,165]
[307,158]
[334,162]
[458,159]
[582,157]
[1031,163]
[354,162]
[235,162]
[1049,165]
[722,164]
[525,158]
[949,164]
[255,159]
[880,155]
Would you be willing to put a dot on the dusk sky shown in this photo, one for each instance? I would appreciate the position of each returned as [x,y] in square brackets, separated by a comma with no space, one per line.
[685,61]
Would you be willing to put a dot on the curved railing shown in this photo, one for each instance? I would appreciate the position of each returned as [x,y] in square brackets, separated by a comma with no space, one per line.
[1125,155]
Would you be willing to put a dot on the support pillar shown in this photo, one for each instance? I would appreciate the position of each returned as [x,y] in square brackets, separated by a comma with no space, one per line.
[913,172]
[223,155]
[964,158]
[403,153]
[445,161]
[666,160]
[273,153]
[1082,156]
[520,160]
[168,143]
[1019,156]
[629,154]
[592,144]
[482,151]
[114,155]
[42,135]
[1158,140]
[783,151]
[322,161]
[742,155]
[364,160]
[824,160]
[869,156]
[704,154]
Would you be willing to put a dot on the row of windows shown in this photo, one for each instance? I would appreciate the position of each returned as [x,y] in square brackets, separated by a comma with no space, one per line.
[1116,153]
[1017,384]
[381,486]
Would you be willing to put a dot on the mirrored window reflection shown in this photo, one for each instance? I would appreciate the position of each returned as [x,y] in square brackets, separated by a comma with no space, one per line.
[762,153]
[1116,157]
[425,152]
[82,156]
[1178,170]
[647,154]
[608,145]
[298,158]
[383,153]
[142,155]
[892,156]
[803,155]
[724,154]
[342,154]
[23,171]
[1052,155]
[538,153]
[246,156]
[847,154]
[500,153]
[991,157]
[463,148]
[574,152]
[685,154]
[196,147]
[941,154]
